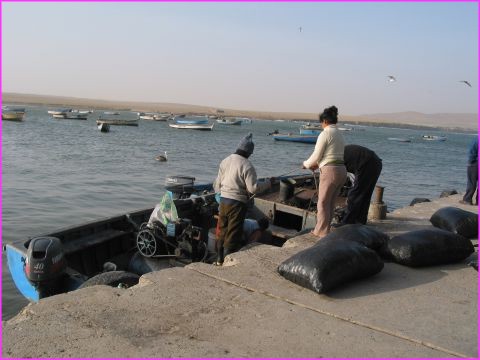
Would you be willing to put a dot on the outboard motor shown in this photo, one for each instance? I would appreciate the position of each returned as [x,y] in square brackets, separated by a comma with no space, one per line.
[45,264]
[180,186]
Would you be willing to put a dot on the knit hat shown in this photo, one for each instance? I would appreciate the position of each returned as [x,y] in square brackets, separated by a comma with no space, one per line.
[246,144]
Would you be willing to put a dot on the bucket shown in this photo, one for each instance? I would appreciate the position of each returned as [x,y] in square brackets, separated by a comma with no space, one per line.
[287,187]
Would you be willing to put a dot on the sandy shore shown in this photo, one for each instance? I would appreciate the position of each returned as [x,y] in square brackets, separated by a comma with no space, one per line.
[462,122]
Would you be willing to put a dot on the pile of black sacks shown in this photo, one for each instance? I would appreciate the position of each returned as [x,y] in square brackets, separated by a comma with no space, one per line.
[354,252]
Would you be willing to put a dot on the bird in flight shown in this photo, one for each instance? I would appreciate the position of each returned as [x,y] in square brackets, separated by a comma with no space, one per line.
[300,29]
[391,78]
[466,82]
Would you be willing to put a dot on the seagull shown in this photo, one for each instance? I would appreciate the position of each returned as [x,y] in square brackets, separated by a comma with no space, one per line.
[162,157]
[391,78]
[466,82]
[300,29]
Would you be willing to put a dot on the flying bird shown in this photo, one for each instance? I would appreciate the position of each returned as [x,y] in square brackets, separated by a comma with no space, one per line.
[466,82]
[300,29]
[162,157]
[391,78]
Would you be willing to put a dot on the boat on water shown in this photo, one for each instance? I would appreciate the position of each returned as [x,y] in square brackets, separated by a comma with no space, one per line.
[206,127]
[58,111]
[12,114]
[403,140]
[182,119]
[103,127]
[308,139]
[117,250]
[304,131]
[434,137]
[111,113]
[155,117]
[118,122]
[71,115]
[230,121]
[345,129]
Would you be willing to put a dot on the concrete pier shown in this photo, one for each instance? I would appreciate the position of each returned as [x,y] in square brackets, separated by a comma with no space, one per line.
[246,309]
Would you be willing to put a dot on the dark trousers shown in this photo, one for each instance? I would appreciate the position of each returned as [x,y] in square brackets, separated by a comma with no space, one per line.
[472,182]
[231,217]
[359,196]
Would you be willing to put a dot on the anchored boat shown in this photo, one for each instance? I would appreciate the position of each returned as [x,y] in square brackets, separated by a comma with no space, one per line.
[309,139]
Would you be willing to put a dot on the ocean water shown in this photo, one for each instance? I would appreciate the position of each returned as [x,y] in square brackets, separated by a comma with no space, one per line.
[58,173]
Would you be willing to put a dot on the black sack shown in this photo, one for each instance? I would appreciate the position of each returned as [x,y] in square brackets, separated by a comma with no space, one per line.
[456,220]
[371,238]
[427,247]
[330,263]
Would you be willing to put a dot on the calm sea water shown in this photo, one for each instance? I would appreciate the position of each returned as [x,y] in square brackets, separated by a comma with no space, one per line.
[58,173]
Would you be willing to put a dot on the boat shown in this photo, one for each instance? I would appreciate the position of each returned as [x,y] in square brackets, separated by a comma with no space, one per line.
[118,122]
[206,127]
[404,140]
[179,230]
[434,137]
[304,131]
[230,121]
[58,111]
[182,119]
[309,139]
[13,114]
[111,113]
[345,129]
[82,111]
[155,117]
[71,115]
[103,126]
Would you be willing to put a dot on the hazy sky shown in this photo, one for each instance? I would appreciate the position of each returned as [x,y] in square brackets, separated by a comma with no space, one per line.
[249,56]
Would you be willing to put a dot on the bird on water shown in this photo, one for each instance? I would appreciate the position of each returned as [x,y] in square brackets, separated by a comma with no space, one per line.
[162,157]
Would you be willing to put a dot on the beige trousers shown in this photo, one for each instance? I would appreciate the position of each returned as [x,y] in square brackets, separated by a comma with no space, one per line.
[332,178]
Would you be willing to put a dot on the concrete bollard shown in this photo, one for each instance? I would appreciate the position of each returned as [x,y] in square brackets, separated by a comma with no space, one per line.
[378,209]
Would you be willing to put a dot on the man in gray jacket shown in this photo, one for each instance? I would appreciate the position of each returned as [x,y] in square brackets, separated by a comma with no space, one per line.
[236,182]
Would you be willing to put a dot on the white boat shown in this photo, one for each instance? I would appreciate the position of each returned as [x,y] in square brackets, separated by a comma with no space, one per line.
[110,113]
[103,126]
[58,111]
[344,129]
[71,115]
[192,126]
[405,140]
[434,137]
[230,121]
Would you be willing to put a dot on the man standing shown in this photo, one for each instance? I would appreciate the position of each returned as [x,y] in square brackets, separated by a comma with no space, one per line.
[472,173]
[236,180]
[366,166]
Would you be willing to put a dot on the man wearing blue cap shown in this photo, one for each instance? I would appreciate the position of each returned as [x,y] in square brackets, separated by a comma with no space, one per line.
[236,181]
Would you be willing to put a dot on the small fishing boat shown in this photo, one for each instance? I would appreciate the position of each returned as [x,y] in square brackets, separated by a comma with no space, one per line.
[345,129]
[103,126]
[434,137]
[71,115]
[119,122]
[111,113]
[117,250]
[191,120]
[403,140]
[230,121]
[309,139]
[13,114]
[304,131]
[58,111]
[206,127]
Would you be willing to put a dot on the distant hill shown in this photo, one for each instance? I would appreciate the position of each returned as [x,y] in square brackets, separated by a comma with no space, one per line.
[405,119]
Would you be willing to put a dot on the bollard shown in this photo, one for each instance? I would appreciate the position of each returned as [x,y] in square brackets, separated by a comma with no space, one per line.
[378,210]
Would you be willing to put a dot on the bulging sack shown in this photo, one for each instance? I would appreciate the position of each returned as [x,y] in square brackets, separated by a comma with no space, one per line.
[427,247]
[330,263]
[362,234]
[456,220]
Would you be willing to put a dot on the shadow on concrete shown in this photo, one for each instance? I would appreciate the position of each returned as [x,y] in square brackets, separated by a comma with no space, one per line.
[394,277]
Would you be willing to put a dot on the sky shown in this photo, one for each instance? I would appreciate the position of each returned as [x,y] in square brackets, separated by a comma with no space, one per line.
[282,56]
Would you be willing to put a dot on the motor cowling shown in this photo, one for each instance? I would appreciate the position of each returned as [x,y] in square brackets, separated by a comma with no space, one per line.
[45,260]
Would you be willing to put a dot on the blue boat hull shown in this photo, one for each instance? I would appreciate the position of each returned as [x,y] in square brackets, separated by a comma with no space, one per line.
[308,139]
[309,131]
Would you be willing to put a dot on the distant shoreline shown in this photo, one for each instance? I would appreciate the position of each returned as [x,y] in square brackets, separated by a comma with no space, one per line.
[463,122]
